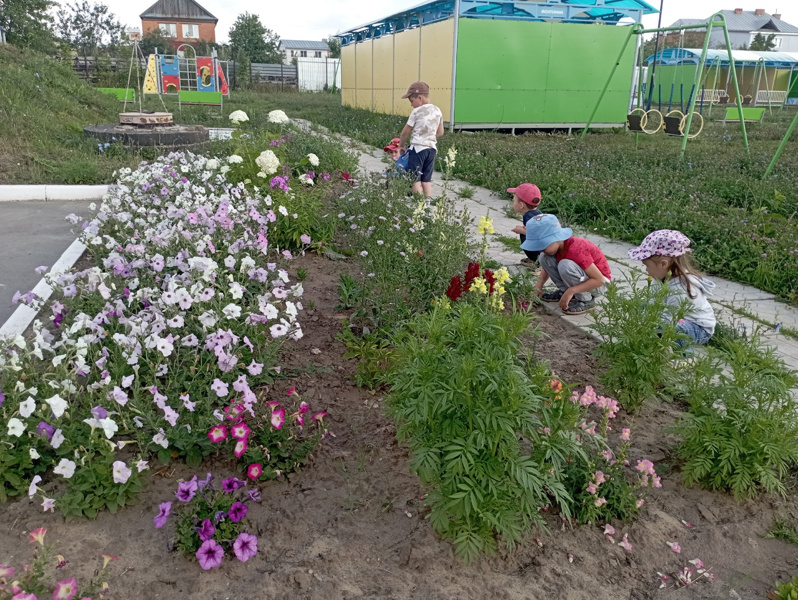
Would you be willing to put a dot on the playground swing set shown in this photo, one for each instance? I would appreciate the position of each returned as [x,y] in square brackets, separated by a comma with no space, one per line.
[676,122]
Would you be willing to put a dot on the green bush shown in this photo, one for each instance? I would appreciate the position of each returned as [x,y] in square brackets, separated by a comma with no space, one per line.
[465,404]
[786,591]
[638,334]
[741,433]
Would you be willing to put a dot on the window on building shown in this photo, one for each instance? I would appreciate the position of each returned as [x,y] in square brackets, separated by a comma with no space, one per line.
[303,53]
[191,32]
[317,54]
[168,29]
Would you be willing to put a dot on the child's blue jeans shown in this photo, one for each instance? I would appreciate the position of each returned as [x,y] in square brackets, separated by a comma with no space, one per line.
[695,332]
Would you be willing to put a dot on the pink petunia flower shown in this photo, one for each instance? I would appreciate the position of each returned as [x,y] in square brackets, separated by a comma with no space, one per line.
[624,543]
[675,547]
[245,546]
[218,433]
[240,431]
[210,554]
[278,418]
[240,448]
[254,471]
[65,590]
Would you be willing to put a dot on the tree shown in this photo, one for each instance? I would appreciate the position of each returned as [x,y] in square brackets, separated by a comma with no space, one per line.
[27,23]
[335,46]
[89,27]
[763,44]
[249,37]
[155,39]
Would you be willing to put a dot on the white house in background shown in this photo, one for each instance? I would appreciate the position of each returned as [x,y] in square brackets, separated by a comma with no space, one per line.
[291,49]
[743,26]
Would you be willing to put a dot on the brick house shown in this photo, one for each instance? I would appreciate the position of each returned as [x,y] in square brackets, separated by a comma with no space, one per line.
[183,21]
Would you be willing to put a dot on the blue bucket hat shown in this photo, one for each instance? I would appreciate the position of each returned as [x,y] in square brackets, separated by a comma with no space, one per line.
[543,230]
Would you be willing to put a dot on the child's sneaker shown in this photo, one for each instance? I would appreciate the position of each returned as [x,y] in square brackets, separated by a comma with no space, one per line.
[529,263]
[577,307]
[552,296]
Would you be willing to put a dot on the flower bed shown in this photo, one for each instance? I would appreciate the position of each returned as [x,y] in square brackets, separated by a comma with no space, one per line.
[170,336]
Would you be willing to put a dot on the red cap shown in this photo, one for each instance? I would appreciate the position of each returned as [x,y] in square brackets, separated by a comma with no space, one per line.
[394,145]
[528,193]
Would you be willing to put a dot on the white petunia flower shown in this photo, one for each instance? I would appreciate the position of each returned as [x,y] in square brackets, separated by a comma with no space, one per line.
[58,439]
[66,468]
[26,408]
[15,427]
[232,311]
[109,427]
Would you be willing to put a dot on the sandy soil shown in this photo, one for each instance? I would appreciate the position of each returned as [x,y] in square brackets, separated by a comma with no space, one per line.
[351,524]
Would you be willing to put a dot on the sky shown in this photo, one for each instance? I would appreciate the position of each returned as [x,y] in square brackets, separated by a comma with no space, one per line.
[318,19]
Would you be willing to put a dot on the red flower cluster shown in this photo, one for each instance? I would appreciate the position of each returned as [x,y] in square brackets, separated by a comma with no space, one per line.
[458,286]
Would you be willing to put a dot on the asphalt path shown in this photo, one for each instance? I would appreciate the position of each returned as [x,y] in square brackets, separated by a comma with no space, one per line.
[32,234]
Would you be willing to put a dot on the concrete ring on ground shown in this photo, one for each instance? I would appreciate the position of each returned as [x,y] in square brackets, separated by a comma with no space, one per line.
[174,136]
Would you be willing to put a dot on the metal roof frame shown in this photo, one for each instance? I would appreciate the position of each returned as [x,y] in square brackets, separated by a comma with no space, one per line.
[749,58]
[568,11]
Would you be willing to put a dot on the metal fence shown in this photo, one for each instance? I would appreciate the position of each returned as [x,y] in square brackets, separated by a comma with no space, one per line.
[284,76]
[319,74]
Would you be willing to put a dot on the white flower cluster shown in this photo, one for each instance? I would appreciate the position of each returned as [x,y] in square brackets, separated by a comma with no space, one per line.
[267,162]
[279,117]
[238,116]
[313,160]
[306,179]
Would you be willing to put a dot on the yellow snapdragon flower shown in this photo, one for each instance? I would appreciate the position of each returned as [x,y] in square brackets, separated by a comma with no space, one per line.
[485,226]
[502,276]
[479,285]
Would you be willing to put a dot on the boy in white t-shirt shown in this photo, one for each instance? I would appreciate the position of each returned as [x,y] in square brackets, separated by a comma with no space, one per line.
[426,125]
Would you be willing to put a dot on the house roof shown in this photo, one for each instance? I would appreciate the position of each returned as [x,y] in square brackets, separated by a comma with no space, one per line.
[746,21]
[177,9]
[303,45]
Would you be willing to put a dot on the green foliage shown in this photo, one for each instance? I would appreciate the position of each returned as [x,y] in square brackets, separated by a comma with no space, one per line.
[763,43]
[89,26]
[466,192]
[638,334]
[741,434]
[27,24]
[251,39]
[786,591]
[373,353]
[784,529]
[473,422]
[93,490]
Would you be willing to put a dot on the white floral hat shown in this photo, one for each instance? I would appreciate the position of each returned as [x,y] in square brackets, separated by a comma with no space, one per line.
[663,242]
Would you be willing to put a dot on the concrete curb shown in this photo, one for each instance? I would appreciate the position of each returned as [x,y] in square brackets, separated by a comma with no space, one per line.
[51,193]
[23,316]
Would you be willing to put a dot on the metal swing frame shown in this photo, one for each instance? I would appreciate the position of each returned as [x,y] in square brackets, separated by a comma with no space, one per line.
[716,20]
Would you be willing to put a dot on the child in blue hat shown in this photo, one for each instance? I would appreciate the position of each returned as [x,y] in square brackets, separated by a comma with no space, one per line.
[575,265]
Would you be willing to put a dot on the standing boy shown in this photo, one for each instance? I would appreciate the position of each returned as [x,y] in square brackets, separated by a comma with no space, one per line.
[575,265]
[426,125]
[526,198]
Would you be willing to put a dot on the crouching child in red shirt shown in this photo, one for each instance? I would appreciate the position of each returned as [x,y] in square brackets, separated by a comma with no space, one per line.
[575,265]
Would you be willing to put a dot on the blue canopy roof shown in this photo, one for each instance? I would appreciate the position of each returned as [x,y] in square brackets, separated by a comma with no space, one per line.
[692,56]
[609,12]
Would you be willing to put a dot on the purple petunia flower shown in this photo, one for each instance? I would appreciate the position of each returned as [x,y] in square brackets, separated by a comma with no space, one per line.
[245,546]
[254,495]
[186,490]
[206,531]
[237,512]
[160,518]
[210,554]
[204,482]
[99,412]
[45,429]
[219,516]
[231,484]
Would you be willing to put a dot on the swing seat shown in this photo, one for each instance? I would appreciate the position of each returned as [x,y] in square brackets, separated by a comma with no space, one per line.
[635,122]
[673,122]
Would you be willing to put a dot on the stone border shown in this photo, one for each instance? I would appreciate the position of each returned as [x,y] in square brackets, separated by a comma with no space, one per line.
[24,315]
[52,193]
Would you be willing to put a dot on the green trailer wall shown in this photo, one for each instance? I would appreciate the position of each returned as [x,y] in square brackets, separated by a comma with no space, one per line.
[520,72]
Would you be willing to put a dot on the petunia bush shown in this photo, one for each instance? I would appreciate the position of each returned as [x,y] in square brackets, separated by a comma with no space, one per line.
[33,580]
[276,437]
[210,521]
[137,355]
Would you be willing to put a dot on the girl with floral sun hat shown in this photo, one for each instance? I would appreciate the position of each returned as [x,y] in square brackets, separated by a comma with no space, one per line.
[665,254]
